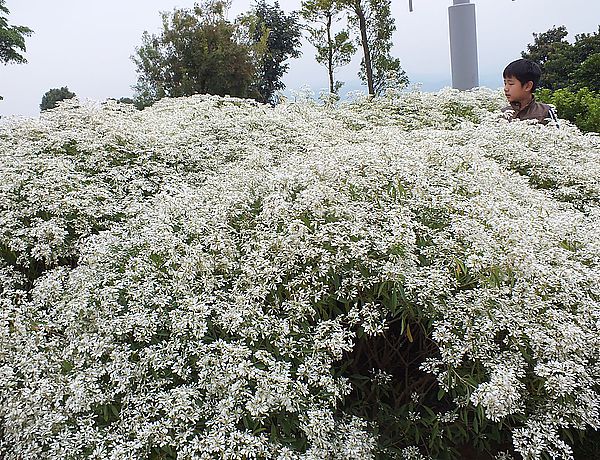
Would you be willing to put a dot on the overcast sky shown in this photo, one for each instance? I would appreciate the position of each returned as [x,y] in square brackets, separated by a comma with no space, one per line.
[87,45]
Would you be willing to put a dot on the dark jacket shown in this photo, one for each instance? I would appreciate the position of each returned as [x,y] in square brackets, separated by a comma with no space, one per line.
[532,111]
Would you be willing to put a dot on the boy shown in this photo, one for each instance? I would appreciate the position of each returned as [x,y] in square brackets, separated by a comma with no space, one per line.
[521,78]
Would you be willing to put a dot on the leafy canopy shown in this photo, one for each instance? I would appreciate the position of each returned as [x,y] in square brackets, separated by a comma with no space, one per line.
[570,75]
[566,65]
[198,52]
[373,21]
[12,39]
[334,49]
[275,38]
[51,98]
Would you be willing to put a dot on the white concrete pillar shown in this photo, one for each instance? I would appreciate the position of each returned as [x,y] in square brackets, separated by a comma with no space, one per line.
[463,45]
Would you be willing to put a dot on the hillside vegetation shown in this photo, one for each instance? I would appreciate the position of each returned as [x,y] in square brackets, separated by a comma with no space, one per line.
[407,277]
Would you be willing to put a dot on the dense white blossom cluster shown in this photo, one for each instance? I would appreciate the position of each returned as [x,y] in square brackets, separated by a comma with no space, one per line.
[163,273]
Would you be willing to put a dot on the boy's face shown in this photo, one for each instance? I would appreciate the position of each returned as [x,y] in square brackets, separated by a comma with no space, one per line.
[515,91]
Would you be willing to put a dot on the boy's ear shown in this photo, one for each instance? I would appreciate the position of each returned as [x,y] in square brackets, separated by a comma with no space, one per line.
[528,86]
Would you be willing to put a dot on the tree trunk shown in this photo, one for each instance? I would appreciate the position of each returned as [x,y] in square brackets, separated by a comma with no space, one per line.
[362,23]
[330,54]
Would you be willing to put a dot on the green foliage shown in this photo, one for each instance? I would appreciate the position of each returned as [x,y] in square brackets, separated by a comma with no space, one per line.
[12,39]
[275,38]
[566,65]
[586,444]
[197,53]
[588,73]
[126,100]
[334,49]
[53,96]
[374,22]
[570,75]
[581,107]
[549,50]
[387,71]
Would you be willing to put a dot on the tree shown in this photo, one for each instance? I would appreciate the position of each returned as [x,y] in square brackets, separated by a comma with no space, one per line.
[587,75]
[546,45]
[375,24]
[571,75]
[586,53]
[333,49]
[551,51]
[198,51]
[275,38]
[566,65]
[51,98]
[387,71]
[126,100]
[586,45]
[12,39]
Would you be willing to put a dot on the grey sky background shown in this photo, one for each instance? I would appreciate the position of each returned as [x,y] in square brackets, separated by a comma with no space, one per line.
[87,44]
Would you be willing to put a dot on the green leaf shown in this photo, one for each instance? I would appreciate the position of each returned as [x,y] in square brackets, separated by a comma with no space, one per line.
[440,394]
[66,367]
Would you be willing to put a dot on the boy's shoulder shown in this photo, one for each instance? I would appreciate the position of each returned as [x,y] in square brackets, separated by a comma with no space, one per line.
[533,111]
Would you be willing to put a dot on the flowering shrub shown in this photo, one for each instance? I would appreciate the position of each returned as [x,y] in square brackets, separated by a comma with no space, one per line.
[406,277]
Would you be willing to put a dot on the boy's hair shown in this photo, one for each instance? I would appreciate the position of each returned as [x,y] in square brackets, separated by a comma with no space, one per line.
[524,70]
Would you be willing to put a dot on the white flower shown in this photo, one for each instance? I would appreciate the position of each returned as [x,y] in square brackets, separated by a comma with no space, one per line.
[501,396]
[192,276]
